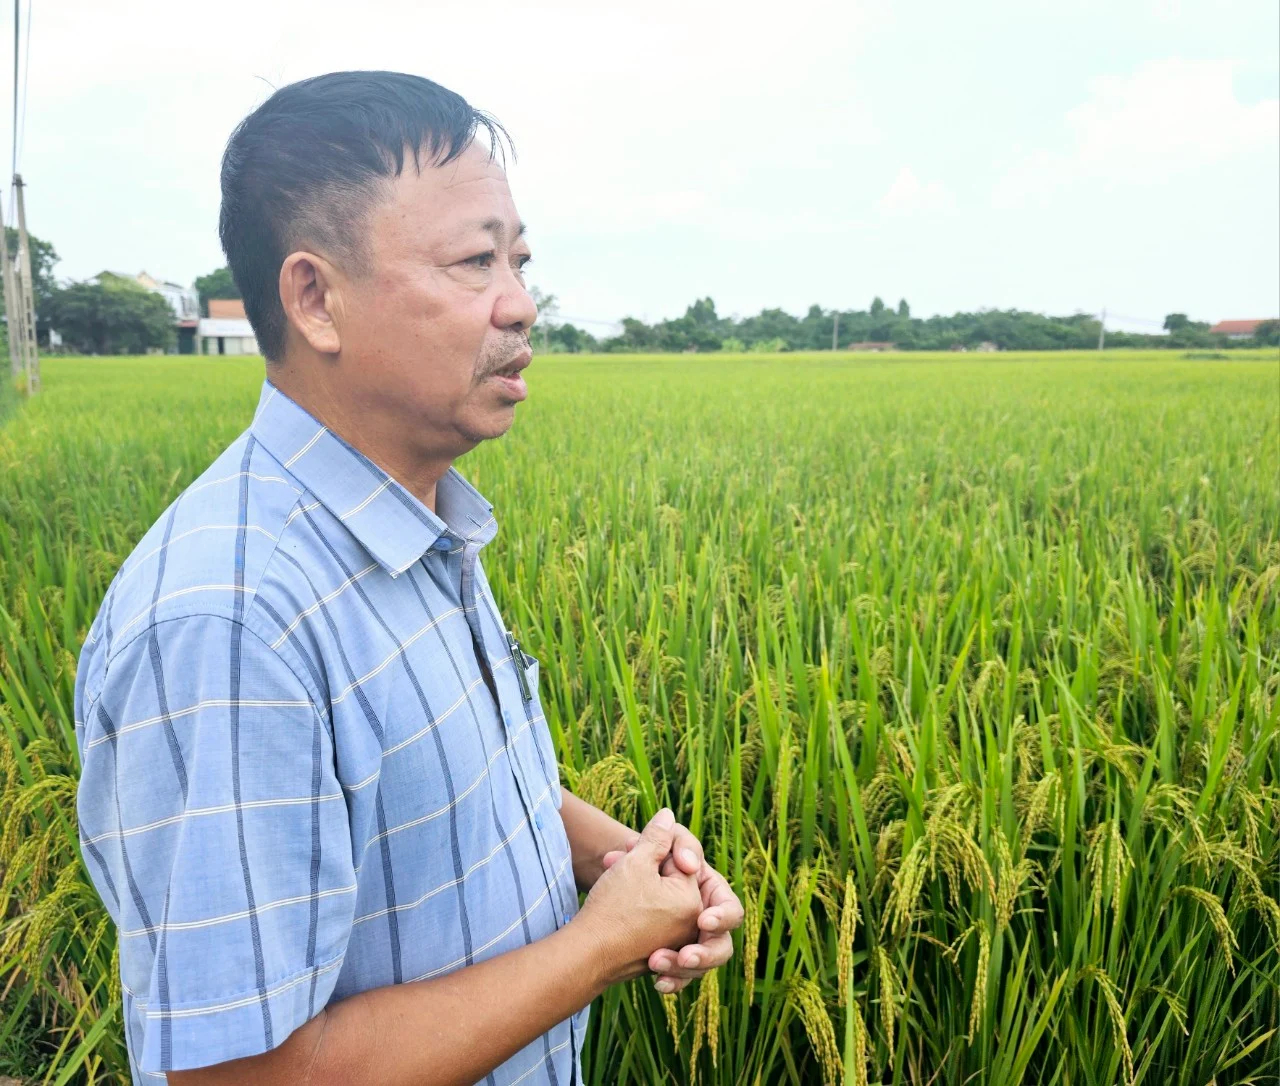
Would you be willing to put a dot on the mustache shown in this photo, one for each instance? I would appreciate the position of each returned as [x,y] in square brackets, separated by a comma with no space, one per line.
[500,357]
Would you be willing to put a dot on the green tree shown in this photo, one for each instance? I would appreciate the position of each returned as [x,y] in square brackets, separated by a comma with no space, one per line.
[703,313]
[111,316]
[568,337]
[217,284]
[877,307]
[548,306]
[636,336]
[1267,334]
[1176,322]
[904,310]
[43,258]
[43,284]
[548,310]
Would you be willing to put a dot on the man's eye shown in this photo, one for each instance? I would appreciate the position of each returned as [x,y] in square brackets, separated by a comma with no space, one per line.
[480,260]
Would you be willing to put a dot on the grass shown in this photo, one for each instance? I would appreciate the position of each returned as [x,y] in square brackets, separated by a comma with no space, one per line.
[967,673]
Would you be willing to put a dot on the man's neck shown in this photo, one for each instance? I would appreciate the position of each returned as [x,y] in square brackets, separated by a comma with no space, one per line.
[365,431]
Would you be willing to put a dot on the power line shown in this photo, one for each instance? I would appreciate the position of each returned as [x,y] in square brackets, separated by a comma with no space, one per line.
[1138,320]
[588,320]
[26,83]
[17,38]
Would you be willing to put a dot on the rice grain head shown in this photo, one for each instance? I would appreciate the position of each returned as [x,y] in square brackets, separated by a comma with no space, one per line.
[844,941]
[888,995]
[1217,917]
[1112,999]
[979,1006]
[805,998]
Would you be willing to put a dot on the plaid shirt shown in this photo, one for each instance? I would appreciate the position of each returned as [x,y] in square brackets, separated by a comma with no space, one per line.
[313,759]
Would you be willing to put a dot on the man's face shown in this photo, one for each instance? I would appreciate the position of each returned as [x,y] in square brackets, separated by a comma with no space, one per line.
[435,330]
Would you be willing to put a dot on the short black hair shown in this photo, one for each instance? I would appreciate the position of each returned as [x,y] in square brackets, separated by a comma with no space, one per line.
[305,168]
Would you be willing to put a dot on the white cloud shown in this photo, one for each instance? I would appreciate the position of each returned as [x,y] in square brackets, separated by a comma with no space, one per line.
[1168,116]
[907,196]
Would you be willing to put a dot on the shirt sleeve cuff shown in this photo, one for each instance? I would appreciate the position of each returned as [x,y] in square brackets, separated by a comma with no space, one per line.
[202,1034]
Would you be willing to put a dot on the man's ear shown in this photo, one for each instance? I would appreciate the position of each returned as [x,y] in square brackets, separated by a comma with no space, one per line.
[309,295]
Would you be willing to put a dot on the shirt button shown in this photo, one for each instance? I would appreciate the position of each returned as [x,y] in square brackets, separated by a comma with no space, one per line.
[442,544]
[537,820]
[506,718]
[566,918]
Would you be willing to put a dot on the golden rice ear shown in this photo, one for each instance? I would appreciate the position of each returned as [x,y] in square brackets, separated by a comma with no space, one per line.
[706,1022]
[844,941]
[805,998]
[859,1055]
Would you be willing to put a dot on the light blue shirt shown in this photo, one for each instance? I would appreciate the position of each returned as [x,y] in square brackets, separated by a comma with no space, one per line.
[313,760]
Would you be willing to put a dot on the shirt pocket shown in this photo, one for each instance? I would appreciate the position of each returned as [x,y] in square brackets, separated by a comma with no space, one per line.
[541,730]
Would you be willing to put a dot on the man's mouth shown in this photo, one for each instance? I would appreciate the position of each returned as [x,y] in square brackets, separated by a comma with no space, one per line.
[513,368]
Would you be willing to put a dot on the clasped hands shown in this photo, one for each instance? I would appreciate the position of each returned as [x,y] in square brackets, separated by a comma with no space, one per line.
[721,911]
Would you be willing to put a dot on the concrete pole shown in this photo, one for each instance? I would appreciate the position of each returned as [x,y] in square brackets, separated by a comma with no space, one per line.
[16,365]
[27,299]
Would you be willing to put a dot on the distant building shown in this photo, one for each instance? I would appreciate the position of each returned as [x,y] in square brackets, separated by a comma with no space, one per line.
[987,345]
[871,345]
[1236,329]
[184,302]
[227,308]
[226,330]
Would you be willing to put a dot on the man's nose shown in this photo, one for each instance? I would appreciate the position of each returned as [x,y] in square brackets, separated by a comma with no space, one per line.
[516,308]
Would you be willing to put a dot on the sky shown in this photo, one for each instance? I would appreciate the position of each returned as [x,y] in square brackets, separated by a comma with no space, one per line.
[1058,157]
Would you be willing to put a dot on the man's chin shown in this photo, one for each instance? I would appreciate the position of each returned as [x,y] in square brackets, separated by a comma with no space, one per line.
[493,423]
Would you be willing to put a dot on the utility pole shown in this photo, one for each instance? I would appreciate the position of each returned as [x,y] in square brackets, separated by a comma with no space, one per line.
[835,332]
[24,307]
[16,363]
[1102,329]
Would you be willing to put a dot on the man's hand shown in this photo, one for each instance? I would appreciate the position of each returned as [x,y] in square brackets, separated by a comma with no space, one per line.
[721,913]
[637,906]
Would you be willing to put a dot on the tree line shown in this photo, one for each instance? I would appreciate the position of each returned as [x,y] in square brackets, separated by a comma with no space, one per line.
[115,315]
[703,329]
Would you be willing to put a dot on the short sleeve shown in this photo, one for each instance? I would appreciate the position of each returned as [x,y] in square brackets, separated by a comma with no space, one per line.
[214,827]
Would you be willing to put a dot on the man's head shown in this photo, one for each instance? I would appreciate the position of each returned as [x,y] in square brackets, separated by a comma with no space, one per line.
[379,253]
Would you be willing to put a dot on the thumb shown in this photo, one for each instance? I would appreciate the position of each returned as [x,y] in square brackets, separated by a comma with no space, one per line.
[656,837]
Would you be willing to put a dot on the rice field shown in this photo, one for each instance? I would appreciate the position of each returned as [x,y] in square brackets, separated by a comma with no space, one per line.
[967,673]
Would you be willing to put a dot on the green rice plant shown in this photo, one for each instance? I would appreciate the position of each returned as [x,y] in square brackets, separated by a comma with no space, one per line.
[967,674]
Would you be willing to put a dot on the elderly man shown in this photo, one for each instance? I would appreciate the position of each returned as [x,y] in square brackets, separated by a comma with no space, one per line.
[318,795]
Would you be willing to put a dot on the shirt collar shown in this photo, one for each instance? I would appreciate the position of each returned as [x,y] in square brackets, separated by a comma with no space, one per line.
[389,522]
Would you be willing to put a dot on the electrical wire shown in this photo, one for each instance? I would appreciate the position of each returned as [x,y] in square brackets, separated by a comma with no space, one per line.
[26,82]
[17,40]
[1136,320]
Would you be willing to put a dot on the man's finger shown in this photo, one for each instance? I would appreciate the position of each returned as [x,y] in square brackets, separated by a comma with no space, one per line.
[681,973]
[686,849]
[713,950]
[710,952]
[671,985]
[721,909]
[655,838]
[722,917]
[611,858]
[702,956]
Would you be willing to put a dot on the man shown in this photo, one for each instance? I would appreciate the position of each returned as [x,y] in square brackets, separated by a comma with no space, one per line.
[318,794]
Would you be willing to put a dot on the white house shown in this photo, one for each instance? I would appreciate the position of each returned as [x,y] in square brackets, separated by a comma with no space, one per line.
[184,302]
